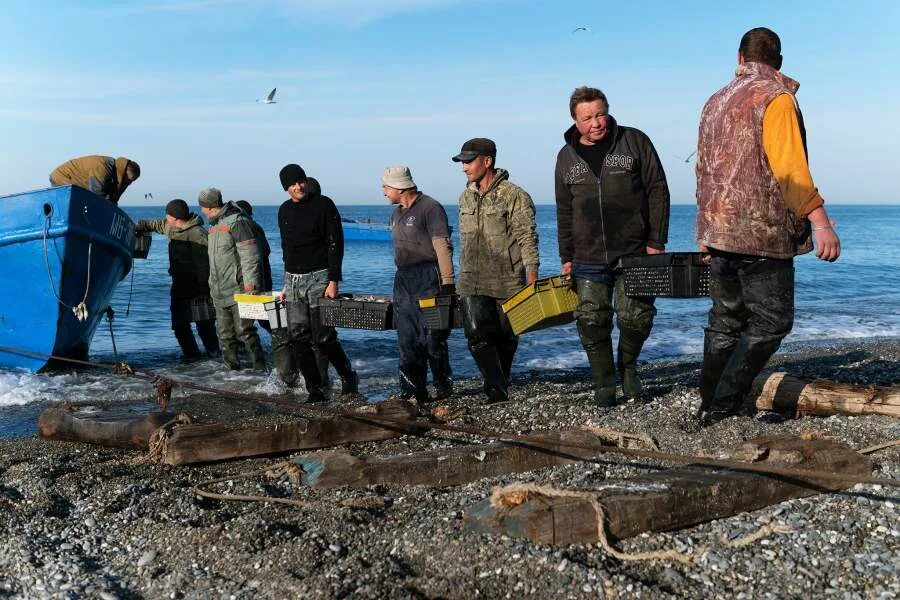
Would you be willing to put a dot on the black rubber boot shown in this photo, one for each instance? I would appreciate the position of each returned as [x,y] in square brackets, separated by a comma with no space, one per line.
[488,363]
[630,344]
[323,363]
[309,368]
[207,332]
[337,357]
[230,357]
[186,341]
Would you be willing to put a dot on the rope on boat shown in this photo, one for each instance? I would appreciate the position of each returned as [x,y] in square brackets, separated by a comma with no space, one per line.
[79,310]
[811,477]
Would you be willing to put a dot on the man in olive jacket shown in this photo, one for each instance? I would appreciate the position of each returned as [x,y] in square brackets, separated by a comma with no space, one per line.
[612,200]
[104,175]
[498,255]
[189,268]
[234,267]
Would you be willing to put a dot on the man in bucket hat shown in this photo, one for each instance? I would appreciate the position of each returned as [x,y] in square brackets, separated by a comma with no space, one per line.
[498,255]
[424,258]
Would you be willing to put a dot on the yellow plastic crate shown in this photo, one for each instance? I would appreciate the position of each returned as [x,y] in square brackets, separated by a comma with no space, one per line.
[544,303]
[252,306]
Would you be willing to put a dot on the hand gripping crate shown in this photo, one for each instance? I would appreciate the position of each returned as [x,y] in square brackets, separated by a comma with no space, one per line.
[441,312]
[252,306]
[544,303]
[357,312]
[668,275]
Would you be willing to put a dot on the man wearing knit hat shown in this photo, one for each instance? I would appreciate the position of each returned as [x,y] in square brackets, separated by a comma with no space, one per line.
[424,258]
[235,266]
[498,255]
[312,243]
[189,268]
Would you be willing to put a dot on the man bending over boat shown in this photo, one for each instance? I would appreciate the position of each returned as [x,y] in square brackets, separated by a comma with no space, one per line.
[234,268]
[103,175]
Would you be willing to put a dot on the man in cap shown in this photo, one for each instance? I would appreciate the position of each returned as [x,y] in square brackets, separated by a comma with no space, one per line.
[498,255]
[312,242]
[235,267]
[104,175]
[424,258]
[189,268]
[264,252]
[612,200]
[757,208]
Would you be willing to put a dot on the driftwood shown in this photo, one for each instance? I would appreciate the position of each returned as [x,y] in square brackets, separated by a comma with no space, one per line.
[96,424]
[206,443]
[785,393]
[675,498]
[446,467]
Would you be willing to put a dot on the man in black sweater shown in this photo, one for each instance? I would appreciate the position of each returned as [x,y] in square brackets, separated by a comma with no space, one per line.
[312,242]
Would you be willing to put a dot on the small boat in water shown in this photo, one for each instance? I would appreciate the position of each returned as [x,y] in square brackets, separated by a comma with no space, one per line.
[63,251]
[367,231]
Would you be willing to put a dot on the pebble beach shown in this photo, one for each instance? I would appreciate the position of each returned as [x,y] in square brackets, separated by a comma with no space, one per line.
[87,521]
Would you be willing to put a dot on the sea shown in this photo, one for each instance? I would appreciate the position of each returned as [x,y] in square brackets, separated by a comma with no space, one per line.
[857,297]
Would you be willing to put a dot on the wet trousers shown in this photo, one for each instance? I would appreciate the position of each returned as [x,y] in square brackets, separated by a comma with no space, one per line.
[420,347]
[233,329]
[181,327]
[491,341]
[752,311]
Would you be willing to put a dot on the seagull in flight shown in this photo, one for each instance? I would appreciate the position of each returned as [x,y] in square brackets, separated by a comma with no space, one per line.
[270,99]
[582,28]
[689,157]
[148,196]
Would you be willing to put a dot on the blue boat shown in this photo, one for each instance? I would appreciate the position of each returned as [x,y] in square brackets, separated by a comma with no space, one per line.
[366,231]
[63,250]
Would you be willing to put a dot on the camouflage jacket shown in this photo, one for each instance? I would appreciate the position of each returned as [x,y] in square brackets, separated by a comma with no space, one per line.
[234,257]
[740,206]
[188,255]
[498,238]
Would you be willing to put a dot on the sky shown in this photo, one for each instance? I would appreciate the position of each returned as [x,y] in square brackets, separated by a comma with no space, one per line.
[366,84]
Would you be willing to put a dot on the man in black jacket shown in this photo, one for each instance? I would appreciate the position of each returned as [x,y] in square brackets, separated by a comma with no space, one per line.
[612,200]
[312,241]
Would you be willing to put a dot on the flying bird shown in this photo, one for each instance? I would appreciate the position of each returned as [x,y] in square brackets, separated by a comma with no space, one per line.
[689,157]
[270,99]
[148,196]
[582,28]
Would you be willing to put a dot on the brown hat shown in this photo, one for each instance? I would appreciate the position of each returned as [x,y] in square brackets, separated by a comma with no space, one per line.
[476,147]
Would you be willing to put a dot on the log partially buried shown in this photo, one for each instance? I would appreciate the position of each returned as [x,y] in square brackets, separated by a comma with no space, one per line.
[785,393]
[674,498]
[118,427]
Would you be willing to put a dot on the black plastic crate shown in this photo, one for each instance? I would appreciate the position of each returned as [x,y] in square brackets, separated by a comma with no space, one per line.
[441,312]
[357,312]
[141,247]
[202,309]
[668,275]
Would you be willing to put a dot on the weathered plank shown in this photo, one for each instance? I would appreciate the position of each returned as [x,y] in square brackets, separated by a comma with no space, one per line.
[785,393]
[675,498]
[189,444]
[445,467]
[99,424]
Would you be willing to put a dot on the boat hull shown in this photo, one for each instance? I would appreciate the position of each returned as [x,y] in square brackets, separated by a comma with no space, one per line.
[59,248]
[366,232]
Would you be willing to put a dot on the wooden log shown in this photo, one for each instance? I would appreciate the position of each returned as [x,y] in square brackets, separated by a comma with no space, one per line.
[99,424]
[675,498]
[785,393]
[445,467]
[190,444]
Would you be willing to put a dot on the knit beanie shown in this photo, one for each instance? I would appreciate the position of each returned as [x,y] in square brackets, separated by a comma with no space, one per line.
[178,208]
[210,198]
[291,174]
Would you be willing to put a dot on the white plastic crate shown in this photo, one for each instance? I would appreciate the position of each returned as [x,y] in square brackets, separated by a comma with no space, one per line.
[252,306]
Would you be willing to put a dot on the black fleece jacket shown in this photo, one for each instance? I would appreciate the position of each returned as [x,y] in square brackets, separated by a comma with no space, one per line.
[312,237]
[617,212]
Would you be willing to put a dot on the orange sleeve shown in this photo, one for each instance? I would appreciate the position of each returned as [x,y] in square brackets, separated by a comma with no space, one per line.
[783,145]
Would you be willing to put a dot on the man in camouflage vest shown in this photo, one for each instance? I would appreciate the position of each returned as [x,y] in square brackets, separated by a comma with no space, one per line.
[757,208]
[499,254]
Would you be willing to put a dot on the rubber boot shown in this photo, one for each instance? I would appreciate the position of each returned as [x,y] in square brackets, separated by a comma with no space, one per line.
[230,357]
[312,377]
[488,362]
[257,356]
[338,358]
[630,344]
[604,373]
[717,349]
[207,332]
[186,341]
[441,374]
[323,363]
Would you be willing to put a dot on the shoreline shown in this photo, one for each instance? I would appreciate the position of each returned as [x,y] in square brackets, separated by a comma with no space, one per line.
[91,521]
